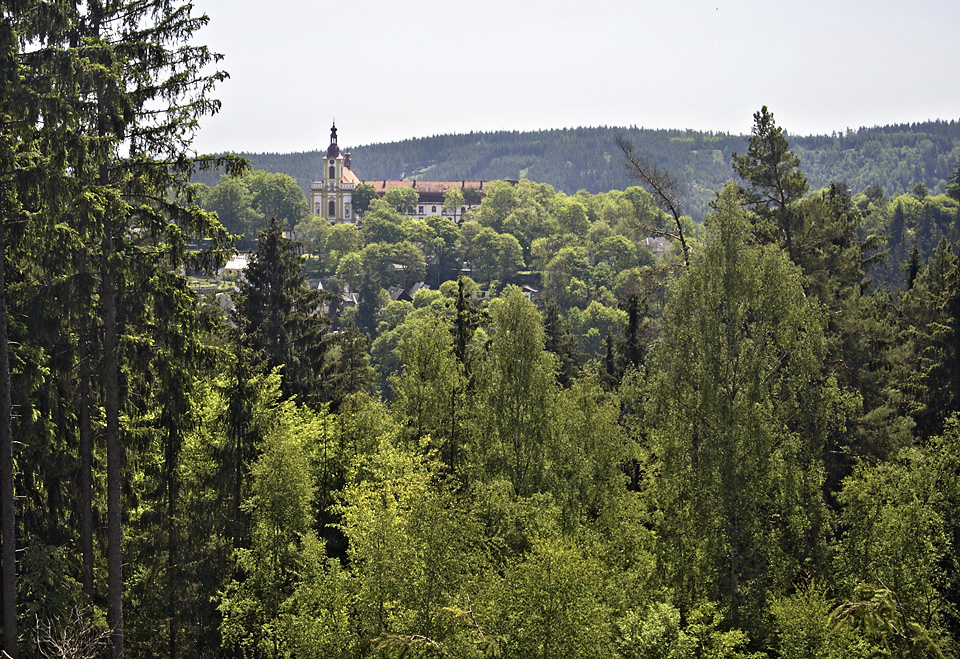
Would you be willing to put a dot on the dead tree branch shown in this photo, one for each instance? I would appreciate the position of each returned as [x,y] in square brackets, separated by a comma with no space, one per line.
[664,188]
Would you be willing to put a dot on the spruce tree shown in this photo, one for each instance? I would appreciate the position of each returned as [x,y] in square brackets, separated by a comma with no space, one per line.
[127,87]
[281,318]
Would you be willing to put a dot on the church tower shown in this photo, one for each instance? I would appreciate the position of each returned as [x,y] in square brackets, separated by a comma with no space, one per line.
[331,197]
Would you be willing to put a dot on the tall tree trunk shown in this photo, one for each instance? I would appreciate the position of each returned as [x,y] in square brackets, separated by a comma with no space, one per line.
[172,539]
[108,300]
[7,507]
[86,471]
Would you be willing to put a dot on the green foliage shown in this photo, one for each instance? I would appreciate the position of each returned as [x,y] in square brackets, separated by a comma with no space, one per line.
[402,199]
[736,423]
[732,465]
[876,616]
[659,632]
[280,317]
[804,629]
[363,195]
[553,604]
[280,508]
[245,204]
[900,520]
[429,391]
[516,392]
[931,311]
[412,544]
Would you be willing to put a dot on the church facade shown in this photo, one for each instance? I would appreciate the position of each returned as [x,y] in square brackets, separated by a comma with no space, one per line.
[332,196]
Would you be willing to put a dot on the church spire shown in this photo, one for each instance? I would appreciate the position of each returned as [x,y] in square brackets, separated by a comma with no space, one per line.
[333,150]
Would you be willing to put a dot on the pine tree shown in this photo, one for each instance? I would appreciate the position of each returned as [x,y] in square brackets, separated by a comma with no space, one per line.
[773,177]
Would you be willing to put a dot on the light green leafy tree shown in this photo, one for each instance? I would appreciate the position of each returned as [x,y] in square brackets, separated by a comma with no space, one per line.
[551,604]
[901,519]
[280,506]
[518,388]
[499,200]
[453,201]
[402,199]
[429,391]
[232,201]
[411,546]
[384,223]
[363,195]
[660,632]
[737,415]
[496,257]
[277,195]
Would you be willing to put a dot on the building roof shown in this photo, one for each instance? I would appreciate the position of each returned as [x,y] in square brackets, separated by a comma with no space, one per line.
[333,150]
[349,176]
[425,187]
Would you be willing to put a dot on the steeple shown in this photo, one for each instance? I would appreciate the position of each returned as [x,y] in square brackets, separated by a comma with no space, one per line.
[333,150]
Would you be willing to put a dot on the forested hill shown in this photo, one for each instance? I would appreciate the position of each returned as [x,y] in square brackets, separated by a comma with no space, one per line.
[896,158]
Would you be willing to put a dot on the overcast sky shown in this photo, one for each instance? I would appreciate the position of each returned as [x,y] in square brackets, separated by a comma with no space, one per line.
[391,70]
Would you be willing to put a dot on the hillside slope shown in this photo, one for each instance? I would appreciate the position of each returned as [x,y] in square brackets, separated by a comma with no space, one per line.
[896,158]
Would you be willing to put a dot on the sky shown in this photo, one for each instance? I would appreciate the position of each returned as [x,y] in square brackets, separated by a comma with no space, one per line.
[386,70]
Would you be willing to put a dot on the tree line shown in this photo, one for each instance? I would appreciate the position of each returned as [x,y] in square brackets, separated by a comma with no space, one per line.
[894,157]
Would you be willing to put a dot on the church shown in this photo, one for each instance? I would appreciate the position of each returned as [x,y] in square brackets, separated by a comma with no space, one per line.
[332,197]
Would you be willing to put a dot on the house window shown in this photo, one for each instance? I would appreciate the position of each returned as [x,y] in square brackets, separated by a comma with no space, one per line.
[433,209]
[420,210]
[332,209]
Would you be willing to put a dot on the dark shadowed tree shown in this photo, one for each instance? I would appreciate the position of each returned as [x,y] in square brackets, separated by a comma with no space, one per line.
[281,317]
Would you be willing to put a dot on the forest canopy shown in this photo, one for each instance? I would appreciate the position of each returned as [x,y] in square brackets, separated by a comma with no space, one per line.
[574,424]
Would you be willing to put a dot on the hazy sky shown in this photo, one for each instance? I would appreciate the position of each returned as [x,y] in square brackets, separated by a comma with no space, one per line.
[390,70]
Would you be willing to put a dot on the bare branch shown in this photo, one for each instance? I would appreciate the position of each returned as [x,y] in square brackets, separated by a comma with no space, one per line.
[663,186]
[73,637]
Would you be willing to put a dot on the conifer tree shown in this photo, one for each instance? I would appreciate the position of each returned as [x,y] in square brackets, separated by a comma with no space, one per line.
[932,313]
[127,88]
[281,318]
[773,177]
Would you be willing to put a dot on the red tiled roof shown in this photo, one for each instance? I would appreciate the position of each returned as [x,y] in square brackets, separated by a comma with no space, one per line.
[349,176]
[425,187]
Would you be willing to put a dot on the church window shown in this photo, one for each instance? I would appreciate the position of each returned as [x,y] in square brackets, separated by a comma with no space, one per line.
[333,172]
[332,209]
[346,211]
[316,208]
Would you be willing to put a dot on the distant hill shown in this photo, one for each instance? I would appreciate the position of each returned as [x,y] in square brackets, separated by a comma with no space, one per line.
[896,158]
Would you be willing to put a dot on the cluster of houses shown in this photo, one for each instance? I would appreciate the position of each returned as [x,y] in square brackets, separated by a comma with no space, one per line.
[332,198]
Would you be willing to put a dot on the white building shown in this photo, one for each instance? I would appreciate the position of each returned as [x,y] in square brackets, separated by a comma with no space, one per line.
[332,196]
